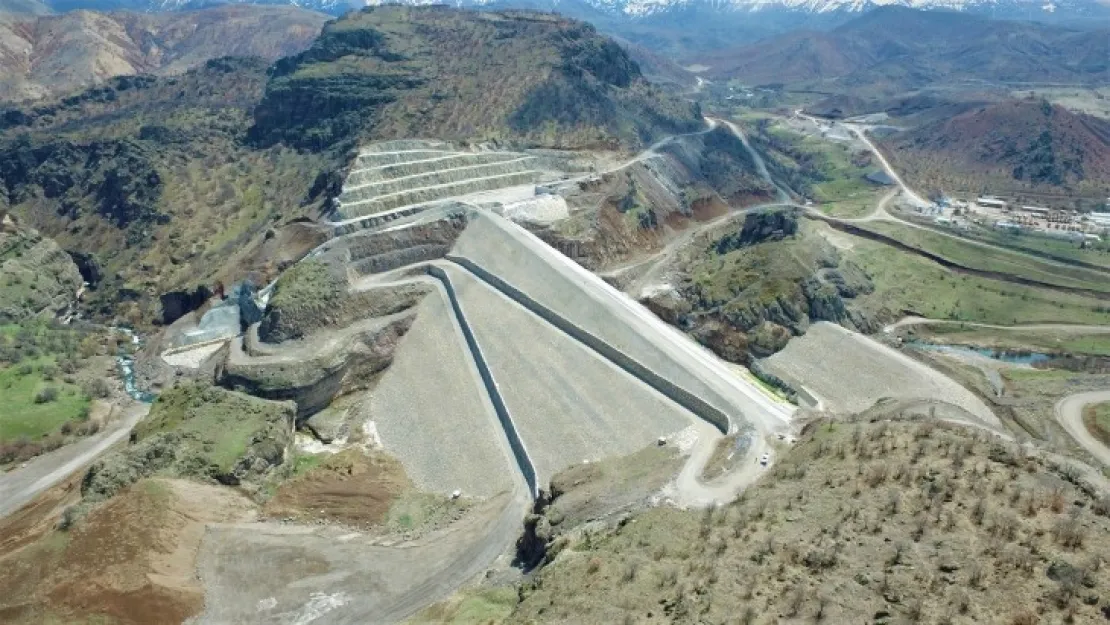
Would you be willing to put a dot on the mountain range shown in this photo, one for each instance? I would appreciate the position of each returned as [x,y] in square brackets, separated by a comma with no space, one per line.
[678,28]
[641,8]
[42,55]
[894,49]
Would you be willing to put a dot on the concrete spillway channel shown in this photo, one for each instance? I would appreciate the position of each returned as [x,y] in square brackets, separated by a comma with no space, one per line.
[520,452]
[520,259]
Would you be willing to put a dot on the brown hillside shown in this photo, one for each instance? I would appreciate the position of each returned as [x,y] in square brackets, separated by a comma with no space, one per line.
[131,561]
[794,57]
[893,49]
[1010,146]
[51,54]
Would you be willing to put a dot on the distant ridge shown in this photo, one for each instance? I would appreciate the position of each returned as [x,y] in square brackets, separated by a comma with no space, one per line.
[1011,146]
[904,49]
[42,55]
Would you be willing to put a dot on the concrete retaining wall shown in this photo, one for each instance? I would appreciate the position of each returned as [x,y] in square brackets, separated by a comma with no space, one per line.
[679,395]
[520,453]
[388,261]
[373,221]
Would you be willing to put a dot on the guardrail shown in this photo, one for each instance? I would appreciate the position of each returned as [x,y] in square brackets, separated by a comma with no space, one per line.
[679,395]
[520,452]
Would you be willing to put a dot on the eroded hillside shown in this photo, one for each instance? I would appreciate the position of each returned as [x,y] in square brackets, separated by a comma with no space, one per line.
[47,55]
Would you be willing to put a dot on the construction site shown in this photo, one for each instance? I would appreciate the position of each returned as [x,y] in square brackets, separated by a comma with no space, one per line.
[436,333]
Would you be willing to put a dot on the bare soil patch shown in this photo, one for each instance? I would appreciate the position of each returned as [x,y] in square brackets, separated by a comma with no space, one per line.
[724,455]
[132,560]
[350,488]
[38,517]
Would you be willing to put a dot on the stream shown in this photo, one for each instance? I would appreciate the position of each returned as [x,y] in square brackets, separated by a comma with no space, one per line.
[976,356]
[1027,358]
[126,365]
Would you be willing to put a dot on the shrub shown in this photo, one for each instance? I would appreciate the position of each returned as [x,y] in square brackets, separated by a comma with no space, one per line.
[97,388]
[46,395]
[68,518]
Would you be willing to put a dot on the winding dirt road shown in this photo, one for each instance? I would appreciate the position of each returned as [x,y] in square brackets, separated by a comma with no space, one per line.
[19,486]
[1069,412]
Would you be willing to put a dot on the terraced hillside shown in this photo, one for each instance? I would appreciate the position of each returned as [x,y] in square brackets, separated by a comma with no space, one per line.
[396,176]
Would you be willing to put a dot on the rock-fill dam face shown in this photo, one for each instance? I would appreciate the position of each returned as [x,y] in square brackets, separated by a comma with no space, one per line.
[513,363]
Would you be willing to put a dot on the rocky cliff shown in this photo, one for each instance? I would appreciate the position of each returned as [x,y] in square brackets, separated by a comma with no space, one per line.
[198,431]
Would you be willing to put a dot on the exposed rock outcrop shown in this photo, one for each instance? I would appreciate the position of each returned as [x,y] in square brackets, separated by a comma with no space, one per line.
[756,286]
[313,296]
[177,304]
[312,378]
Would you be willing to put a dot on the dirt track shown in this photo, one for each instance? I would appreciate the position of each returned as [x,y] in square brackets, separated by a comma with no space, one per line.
[1069,412]
[19,486]
[1046,327]
[329,575]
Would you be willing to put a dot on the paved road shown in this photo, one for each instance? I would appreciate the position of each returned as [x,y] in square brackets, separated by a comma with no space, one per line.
[1069,412]
[19,486]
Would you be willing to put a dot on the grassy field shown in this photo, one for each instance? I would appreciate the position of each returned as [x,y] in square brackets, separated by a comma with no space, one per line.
[860,204]
[47,374]
[1092,101]
[1099,254]
[994,259]
[24,388]
[906,283]
[1097,420]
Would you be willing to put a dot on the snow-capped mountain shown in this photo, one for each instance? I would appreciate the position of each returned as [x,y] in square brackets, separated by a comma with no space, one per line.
[638,9]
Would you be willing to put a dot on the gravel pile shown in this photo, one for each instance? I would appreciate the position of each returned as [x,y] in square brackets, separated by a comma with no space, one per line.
[850,372]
